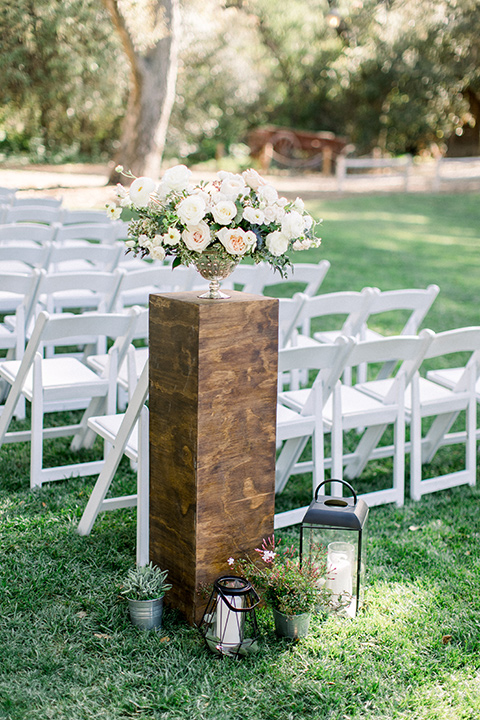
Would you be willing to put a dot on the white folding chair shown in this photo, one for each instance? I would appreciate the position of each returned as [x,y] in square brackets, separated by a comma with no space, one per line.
[26,233]
[22,258]
[51,384]
[127,434]
[137,285]
[374,406]
[84,258]
[132,365]
[20,286]
[296,425]
[328,310]
[85,233]
[42,214]
[444,404]
[310,275]
[410,303]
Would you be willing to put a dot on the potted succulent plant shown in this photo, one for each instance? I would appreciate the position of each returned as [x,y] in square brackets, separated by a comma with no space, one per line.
[144,588]
[291,590]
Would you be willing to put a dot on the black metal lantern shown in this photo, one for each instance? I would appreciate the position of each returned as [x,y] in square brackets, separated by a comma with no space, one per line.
[229,623]
[333,531]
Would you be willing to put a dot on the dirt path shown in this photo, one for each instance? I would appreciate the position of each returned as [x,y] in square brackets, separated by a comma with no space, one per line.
[86,186]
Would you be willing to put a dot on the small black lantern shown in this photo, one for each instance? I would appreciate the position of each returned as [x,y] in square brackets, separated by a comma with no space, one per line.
[333,530]
[229,623]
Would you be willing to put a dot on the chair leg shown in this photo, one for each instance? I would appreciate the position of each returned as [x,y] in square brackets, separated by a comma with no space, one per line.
[36,445]
[85,438]
[143,489]
[289,455]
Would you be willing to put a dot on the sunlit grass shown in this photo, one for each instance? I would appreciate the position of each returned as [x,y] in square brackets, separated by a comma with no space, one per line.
[68,650]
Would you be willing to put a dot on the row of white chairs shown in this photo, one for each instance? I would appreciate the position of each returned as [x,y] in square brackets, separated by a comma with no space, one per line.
[330,407]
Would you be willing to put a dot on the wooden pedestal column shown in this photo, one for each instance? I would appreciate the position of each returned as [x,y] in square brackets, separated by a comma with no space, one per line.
[213,390]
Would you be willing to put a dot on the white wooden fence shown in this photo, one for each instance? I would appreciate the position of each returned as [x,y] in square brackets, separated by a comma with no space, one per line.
[380,168]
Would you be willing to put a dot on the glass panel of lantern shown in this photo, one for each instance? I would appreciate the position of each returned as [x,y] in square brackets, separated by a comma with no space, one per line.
[333,534]
[229,623]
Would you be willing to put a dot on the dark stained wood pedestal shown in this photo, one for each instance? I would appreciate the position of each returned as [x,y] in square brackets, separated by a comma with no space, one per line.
[213,390]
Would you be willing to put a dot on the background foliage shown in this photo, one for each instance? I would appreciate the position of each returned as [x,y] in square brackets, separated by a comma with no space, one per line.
[398,75]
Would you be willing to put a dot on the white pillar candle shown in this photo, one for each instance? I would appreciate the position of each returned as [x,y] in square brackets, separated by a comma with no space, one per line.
[340,566]
[229,622]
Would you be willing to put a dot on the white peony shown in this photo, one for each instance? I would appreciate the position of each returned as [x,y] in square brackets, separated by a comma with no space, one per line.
[141,190]
[172,236]
[255,216]
[197,237]
[224,212]
[253,179]
[267,193]
[176,178]
[277,243]
[191,210]
[235,240]
[293,224]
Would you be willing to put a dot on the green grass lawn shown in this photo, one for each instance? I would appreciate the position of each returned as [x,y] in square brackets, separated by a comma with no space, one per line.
[68,650]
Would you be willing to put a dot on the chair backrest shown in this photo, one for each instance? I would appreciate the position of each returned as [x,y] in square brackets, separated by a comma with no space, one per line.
[102,284]
[310,275]
[44,201]
[99,232]
[69,217]
[461,340]
[32,214]
[25,254]
[137,285]
[98,257]
[329,360]
[354,305]
[416,301]
[410,350]
[31,232]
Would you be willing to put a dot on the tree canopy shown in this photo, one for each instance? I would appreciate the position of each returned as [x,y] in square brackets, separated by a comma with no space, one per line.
[399,75]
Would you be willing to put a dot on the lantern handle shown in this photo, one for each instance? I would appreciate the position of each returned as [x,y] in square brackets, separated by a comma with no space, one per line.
[344,482]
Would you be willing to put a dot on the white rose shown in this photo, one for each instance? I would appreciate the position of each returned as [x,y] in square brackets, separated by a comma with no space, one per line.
[253,179]
[144,241]
[191,210]
[255,216]
[267,193]
[176,178]
[270,214]
[224,174]
[172,236]
[197,237]
[278,212]
[277,243]
[224,212]
[234,186]
[234,240]
[157,252]
[141,190]
[293,224]
[251,239]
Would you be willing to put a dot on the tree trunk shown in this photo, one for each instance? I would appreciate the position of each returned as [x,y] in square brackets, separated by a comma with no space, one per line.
[152,92]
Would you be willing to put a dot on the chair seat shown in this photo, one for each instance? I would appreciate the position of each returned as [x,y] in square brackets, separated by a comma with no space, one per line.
[7,337]
[432,395]
[304,424]
[99,363]
[61,378]
[357,406]
[448,377]
[107,426]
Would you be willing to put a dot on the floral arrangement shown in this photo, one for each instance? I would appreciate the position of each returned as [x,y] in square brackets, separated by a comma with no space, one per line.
[235,216]
[283,583]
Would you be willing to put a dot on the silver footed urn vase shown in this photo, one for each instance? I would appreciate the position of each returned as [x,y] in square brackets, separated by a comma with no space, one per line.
[214,266]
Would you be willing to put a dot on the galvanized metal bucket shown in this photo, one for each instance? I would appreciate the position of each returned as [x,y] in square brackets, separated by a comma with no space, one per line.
[146,614]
